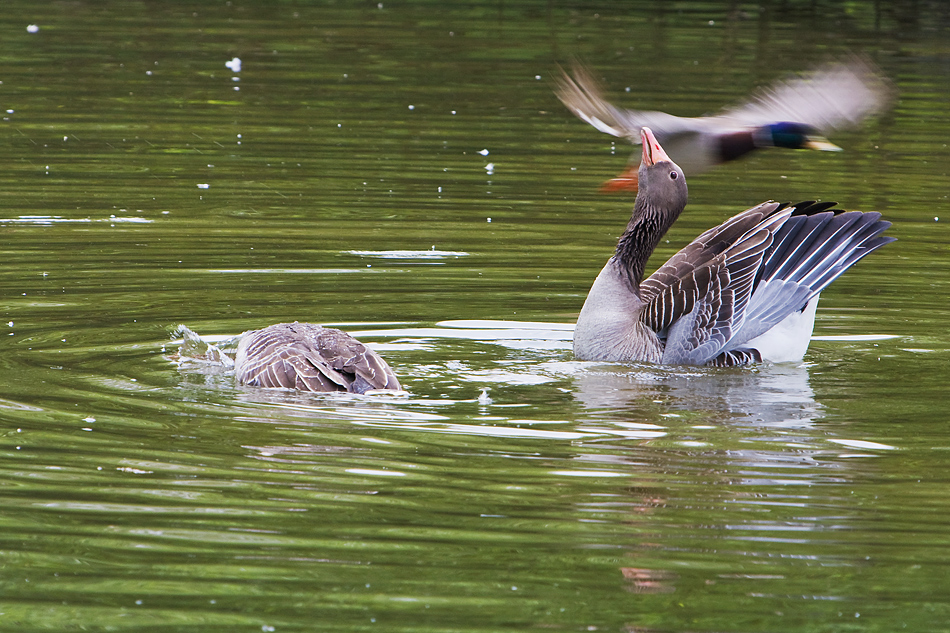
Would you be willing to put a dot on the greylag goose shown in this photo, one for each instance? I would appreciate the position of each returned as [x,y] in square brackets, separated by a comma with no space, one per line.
[310,357]
[744,291]
[792,114]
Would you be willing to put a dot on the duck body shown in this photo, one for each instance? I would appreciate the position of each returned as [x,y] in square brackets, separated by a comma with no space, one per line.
[794,114]
[310,357]
[743,291]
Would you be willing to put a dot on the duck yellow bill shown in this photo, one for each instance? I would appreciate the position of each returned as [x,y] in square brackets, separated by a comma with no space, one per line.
[821,144]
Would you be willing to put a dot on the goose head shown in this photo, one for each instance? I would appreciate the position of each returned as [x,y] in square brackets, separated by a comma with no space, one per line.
[661,197]
[662,184]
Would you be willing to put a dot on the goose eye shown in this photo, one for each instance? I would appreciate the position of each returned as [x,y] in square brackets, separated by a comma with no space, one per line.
[673,175]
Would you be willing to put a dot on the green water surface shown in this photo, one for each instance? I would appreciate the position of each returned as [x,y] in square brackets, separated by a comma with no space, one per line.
[403,170]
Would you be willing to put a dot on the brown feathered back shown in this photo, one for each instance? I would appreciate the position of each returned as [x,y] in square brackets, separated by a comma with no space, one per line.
[310,357]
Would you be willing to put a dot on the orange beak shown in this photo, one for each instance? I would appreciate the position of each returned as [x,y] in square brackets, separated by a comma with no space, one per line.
[628,179]
[652,152]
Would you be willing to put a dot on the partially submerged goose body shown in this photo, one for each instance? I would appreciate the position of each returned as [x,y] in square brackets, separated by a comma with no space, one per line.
[744,291]
[793,114]
[310,357]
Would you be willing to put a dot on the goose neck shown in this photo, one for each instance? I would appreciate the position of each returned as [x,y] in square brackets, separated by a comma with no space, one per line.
[646,228]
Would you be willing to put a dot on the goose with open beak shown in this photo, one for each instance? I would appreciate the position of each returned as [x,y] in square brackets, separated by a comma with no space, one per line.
[744,291]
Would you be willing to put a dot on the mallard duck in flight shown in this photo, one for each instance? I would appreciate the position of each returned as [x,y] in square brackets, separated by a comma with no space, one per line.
[795,114]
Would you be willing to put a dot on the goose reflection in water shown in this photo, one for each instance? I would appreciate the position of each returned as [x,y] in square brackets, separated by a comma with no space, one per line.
[770,395]
[769,414]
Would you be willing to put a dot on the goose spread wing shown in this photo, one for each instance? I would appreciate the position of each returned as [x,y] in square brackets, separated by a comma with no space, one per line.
[697,254]
[836,96]
[310,357]
[584,97]
[700,334]
[697,300]
[812,249]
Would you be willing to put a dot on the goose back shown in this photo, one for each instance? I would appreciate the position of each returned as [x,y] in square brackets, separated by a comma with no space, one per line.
[310,357]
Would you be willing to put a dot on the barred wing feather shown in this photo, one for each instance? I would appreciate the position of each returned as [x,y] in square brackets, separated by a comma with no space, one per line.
[697,300]
[812,249]
[704,248]
[701,334]
[310,357]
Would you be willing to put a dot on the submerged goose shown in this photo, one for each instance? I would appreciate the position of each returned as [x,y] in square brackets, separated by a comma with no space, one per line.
[792,114]
[743,291]
[310,357]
